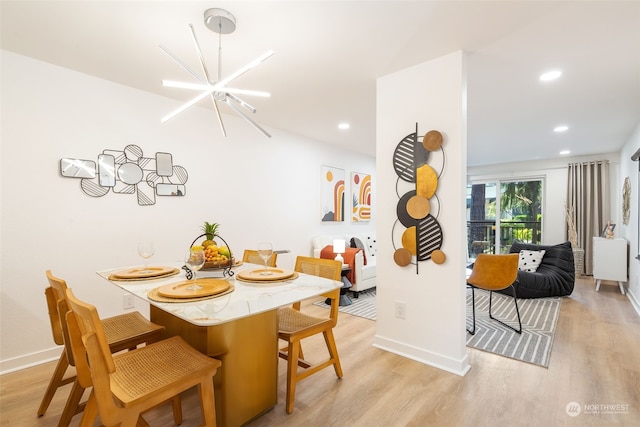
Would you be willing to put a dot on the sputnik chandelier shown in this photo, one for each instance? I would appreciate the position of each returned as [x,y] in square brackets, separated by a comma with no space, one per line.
[221,22]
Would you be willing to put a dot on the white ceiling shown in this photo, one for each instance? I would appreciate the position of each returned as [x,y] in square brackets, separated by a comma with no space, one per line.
[328,55]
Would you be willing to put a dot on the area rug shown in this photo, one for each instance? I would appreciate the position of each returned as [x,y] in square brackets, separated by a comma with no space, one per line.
[363,306]
[539,318]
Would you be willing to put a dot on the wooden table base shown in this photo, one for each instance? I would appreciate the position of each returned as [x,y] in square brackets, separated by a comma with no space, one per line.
[246,385]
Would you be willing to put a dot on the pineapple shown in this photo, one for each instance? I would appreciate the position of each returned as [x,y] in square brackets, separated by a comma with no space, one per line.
[211,231]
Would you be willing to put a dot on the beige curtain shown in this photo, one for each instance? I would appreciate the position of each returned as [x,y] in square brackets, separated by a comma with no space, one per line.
[588,194]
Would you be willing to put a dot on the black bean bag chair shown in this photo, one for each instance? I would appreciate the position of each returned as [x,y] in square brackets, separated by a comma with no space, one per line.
[554,277]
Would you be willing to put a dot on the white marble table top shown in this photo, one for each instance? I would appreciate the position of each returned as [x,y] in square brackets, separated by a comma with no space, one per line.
[247,299]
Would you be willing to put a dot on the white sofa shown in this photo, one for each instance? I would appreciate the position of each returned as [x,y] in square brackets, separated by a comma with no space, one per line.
[365,275]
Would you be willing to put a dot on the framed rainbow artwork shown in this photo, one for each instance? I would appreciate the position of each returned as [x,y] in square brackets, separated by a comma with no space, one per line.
[360,197]
[333,189]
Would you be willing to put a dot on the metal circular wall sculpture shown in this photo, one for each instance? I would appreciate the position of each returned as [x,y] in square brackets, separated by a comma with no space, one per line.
[418,207]
[127,171]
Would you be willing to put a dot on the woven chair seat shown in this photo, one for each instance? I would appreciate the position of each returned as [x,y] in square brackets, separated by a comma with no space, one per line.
[291,320]
[154,367]
[126,330]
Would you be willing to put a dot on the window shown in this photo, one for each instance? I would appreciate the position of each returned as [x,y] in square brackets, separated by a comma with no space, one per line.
[493,222]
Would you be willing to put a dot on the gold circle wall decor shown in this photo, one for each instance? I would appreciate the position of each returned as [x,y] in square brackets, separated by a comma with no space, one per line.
[432,140]
[626,201]
[438,256]
[402,257]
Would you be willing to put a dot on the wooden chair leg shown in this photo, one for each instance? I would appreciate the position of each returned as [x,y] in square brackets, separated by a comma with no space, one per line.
[142,422]
[56,381]
[207,403]
[132,420]
[72,406]
[90,413]
[176,404]
[333,351]
[292,373]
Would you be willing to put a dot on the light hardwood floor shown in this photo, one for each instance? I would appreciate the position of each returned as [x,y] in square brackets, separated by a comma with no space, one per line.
[595,361]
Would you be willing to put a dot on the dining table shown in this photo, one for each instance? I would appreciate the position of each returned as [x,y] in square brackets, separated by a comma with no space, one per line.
[238,326]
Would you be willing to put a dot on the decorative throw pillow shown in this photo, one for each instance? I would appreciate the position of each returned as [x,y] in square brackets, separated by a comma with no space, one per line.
[530,260]
[372,246]
[357,243]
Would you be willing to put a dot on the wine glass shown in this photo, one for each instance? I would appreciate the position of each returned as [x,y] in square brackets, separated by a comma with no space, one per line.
[194,259]
[146,251]
[265,250]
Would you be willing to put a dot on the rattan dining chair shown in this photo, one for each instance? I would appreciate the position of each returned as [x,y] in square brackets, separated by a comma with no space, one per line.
[494,272]
[252,256]
[295,325]
[125,331]
[129,383]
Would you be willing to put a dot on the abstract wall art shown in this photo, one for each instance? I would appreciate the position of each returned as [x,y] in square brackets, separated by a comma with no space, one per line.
[333,194]
[417,234]
[360,197]
[128,171]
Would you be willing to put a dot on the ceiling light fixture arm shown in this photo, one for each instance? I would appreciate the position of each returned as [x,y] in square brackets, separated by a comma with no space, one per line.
[247,118]
[221,22]
[241,102]
[206,74]
[182,64]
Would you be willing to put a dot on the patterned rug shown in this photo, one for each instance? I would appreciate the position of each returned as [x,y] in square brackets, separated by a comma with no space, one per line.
[539,319]
[363,306]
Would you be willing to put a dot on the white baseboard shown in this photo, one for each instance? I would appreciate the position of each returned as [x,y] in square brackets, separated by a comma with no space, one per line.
[634,301]
[29,360]
[458,367]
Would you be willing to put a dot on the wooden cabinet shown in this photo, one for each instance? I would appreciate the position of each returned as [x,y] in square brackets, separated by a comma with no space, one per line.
[610,261]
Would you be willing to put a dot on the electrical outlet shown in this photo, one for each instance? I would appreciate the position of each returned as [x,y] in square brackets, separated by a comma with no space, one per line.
[401,309]
[127,301]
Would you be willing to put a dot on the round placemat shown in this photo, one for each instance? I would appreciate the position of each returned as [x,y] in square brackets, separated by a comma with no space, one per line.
[269,282]
[118,277]
[194,289]
[153,295]
[257,276]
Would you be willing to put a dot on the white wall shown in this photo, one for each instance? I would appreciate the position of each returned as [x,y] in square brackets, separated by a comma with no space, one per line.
[256,188]
[629,169]
[432,94]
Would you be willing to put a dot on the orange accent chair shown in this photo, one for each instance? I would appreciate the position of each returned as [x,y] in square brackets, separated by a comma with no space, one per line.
[494,272]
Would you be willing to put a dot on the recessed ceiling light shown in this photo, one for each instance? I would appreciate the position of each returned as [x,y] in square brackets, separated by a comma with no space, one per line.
[550,75]
[344,126]
[562,128]
[564,152]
